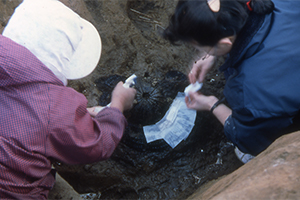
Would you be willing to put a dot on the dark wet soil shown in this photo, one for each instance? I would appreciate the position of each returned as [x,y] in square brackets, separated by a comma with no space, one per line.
[138,170]
[132,43]
[156,171]
[132,173]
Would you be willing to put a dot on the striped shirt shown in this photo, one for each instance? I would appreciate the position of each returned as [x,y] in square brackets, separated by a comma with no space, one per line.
[41,120]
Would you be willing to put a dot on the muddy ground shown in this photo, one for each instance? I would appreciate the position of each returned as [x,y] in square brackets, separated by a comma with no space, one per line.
[132,43]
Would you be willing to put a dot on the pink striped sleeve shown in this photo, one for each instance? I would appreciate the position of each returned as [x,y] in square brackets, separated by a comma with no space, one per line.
[74,136]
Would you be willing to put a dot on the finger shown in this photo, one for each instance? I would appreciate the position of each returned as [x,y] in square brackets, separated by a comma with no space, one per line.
[121,83]
[201,77]
[131,106]
[192,77]
[131,93]
[133,90]
[192,95]
[187,101]
[91,109]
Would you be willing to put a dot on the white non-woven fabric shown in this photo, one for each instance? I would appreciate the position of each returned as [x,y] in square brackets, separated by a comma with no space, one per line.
[67,44]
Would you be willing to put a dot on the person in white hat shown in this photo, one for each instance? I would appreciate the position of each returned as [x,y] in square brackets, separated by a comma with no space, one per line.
[44,44]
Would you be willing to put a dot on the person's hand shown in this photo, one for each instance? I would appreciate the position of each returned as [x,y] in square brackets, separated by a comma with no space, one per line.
[94,110]
[201,68]
[200,102]
[122,98]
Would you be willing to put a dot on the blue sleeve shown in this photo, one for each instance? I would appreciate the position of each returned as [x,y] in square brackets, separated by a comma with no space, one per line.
[253,135]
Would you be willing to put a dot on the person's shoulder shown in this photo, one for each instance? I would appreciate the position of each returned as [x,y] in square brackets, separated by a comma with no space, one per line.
[15,52]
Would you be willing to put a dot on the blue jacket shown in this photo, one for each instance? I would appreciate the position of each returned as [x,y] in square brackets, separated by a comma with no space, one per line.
[263,78]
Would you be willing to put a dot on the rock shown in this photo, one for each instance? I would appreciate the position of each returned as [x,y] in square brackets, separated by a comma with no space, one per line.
[63,190]
[273,174]
[7,8]
[80,8]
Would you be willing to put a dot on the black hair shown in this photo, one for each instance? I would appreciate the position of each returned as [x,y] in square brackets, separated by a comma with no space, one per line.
[193,20]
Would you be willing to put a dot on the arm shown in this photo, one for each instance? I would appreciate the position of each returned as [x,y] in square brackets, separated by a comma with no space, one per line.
[200,68]
[201,102]
[74,136]
[222,112]
[251,134]
[122,99]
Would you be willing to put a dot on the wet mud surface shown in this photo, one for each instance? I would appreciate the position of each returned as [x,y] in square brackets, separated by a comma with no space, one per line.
[132,43]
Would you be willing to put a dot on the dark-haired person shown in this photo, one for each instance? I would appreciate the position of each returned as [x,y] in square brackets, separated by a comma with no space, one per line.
[261,40]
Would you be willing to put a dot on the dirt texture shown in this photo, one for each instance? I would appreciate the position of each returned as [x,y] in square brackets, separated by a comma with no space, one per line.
[131,43]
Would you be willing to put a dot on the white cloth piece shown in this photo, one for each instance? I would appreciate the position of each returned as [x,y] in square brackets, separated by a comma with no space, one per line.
[193,87]
[176,124]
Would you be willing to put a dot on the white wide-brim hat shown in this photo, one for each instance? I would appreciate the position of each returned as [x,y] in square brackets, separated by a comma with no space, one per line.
[66,43]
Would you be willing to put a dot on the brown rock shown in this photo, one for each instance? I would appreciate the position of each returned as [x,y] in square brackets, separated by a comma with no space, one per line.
[80,8]
[7,8]
[273,174]
[63,190]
